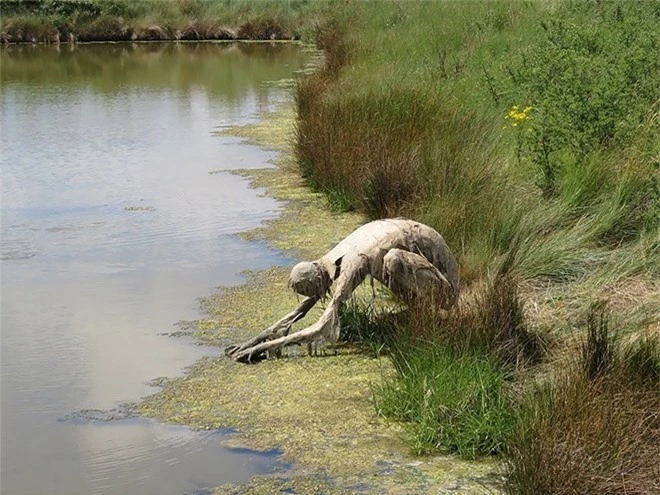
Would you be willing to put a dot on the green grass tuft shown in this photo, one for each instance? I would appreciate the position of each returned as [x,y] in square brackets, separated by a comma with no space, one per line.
[448,401]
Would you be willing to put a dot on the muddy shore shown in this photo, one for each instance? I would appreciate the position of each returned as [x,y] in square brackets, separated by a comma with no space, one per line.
[317,410]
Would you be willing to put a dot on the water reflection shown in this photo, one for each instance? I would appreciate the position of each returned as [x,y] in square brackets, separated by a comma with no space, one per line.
[139,456]
[223,70]
[112,225]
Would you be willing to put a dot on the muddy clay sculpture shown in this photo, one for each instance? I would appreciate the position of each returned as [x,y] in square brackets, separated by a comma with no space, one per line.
[408,257]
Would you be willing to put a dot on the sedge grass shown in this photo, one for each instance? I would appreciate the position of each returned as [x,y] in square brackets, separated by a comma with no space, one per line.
[594,428]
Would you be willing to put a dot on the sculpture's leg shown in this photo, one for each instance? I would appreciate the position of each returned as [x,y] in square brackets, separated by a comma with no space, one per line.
[278,329]
[410,275]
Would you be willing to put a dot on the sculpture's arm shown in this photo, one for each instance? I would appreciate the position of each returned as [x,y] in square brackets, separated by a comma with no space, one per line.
[353,271]
[276,330]
[329,319]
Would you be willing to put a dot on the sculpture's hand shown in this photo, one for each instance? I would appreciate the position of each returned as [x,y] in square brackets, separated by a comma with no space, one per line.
[325,327]
[281,328]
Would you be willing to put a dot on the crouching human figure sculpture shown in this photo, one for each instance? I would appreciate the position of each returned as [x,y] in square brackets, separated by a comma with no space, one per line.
[410,258]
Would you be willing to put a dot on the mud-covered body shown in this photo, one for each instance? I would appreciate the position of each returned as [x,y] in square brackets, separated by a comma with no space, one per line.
[410,258]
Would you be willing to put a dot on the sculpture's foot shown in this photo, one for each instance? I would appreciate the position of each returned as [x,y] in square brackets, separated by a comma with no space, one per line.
[313,348]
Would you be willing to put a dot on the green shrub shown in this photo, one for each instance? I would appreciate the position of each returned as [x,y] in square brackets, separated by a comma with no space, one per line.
[589,82]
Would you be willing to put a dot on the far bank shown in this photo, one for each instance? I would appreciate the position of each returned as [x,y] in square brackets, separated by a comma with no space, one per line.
[70,21]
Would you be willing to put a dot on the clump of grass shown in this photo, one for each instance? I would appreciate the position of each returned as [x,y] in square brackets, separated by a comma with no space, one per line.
[382,151]
[598,349]
[596,427]
[489,321]
[641,362]
[106,27]
[28,29]
[262,29]
[362,324]
[578,437]
[448,401]
[452,371]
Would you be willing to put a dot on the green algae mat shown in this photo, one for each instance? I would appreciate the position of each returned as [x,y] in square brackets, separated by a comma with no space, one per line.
[317,410]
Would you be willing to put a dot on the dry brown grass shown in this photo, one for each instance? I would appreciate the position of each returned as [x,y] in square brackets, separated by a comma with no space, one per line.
[594,427]
[488,320]
[585,437]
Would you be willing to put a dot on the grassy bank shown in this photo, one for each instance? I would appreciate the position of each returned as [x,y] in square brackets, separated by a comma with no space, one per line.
[528,134]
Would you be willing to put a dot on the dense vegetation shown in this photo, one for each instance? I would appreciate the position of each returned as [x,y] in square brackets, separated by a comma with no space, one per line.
[528,134]
[53,21]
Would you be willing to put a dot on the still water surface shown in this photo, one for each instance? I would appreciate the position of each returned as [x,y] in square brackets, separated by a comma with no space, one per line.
[111,227]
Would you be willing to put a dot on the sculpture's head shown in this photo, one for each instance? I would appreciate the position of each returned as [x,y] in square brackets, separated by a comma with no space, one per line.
[310,279]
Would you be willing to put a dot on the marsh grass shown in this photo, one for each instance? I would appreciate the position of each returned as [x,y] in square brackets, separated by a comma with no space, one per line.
[489,321]
[412,116]
[595,428]
[598,349]
[448,401]
[396,133]
[580,437]
[453,371]
[362,324]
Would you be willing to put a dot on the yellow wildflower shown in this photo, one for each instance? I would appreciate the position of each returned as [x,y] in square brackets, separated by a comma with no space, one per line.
[518,116]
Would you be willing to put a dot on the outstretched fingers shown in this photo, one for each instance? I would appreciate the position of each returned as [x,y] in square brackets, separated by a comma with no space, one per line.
[327,326]
[257,352]
[282,327]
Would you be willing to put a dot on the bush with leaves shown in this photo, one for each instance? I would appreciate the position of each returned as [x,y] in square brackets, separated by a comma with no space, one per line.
[590,84]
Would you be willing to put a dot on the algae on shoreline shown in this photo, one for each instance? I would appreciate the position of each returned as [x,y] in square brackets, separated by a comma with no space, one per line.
[318,411]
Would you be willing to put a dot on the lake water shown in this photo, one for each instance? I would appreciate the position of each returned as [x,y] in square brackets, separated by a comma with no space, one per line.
[111,227]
